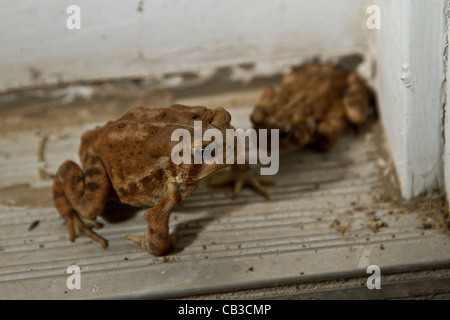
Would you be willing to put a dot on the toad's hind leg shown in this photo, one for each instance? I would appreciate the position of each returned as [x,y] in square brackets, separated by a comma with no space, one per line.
[331,128]
[156,239]
[80,197]
[356,100]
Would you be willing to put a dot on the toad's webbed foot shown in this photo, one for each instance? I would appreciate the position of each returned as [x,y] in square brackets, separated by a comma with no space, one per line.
[239,176]
[76,227]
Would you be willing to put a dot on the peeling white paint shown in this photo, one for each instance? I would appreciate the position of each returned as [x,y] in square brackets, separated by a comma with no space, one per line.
[407,77]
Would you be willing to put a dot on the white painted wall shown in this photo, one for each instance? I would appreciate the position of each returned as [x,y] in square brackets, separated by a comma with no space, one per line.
[447,111]
[116,40]
[410,50]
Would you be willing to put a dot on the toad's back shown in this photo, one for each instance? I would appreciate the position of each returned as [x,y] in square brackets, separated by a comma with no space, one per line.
[136,151]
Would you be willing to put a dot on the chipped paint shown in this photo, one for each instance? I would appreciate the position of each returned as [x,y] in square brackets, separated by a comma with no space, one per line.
[407,77]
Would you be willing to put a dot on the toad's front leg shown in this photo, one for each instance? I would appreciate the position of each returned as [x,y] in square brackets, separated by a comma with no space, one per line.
[156,239]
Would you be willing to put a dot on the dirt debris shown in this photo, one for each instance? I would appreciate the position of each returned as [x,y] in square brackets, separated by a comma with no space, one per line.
[33,225]
[340,226]
[434,212]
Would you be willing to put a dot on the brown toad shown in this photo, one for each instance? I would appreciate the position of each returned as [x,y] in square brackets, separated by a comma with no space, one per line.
[314,105]
[130,160]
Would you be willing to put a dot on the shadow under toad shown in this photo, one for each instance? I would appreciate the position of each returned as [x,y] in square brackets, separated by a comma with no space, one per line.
[116,212]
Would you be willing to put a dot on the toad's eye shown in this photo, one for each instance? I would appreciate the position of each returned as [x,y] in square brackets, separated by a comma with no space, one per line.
[229,117]
[286,132]
[198,152]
